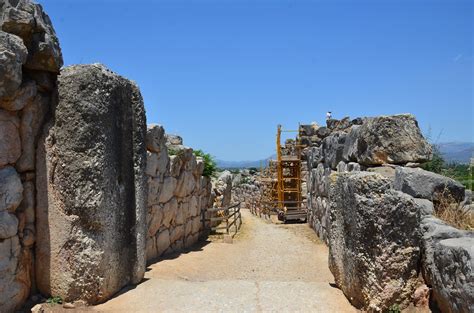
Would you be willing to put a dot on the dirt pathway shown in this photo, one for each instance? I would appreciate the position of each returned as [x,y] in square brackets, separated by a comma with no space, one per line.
[268,268]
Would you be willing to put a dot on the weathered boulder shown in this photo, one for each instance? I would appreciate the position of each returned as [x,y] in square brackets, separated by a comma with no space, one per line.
[22,97]
[350,151]
[448,265]
[323,132]
[395,139]
[8,225]
[426,206]
[12,291]
[333,148]
[155,139]
[169,212]
[173,140]
[169,187]
[10,142]
[428,185]
[92,188]
[155,219]
[28,21]
[374,240]
[13,55]
[308,130]
[331,123]
[11,189]
[32,119]
[186,184]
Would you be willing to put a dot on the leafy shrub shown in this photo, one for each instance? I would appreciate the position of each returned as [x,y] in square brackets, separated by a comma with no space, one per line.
[210,165]
[460,172]
[394,309]
[55,300]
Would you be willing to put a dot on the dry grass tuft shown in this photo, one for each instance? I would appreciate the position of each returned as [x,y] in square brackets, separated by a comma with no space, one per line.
[453,212]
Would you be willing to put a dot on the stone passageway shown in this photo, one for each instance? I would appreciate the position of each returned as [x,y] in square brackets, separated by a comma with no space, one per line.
[269,267]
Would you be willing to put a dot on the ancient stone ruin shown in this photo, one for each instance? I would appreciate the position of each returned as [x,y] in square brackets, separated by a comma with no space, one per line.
[89,194]
[178,194]
[30,61]
[372,204]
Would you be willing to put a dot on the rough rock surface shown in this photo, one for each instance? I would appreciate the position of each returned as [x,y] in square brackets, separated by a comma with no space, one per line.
[374,240]
[178,194]
[333,148]
[13,55]
[427,185]
[11,189]
[93,176]
[30,59]
[395,139]
[28,21]
[10,142]
[448,265]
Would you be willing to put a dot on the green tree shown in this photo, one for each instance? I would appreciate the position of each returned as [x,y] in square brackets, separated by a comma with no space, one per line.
[210,165]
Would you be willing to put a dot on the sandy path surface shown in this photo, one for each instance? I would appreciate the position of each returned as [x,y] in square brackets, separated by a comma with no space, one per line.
[270,267]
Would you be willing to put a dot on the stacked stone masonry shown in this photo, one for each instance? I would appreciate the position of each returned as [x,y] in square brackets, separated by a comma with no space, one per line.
[178,194]
[369,201]
[247,189]
[30,60]
[76,166]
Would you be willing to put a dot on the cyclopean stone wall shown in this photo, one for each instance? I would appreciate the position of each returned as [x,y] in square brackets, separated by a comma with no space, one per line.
[178,194]
[30,60]
[373,206]
[246,189]
[91,185]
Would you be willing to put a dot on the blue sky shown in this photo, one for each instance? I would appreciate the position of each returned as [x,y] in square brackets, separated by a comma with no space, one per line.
[223,74]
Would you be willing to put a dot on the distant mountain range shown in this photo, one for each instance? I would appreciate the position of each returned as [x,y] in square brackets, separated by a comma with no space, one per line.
[460,152]
[244,164]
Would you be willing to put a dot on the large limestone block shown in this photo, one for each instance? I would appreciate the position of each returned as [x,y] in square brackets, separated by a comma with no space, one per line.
[13,55]
[21,98]
[333,148]
[170,210]
[8,225]
[186,185]
[12,291]
[448,265]
[91,210]
[168,189]
[155,219]
[10,142]
[26,215]
[177,233]
[32,118]
[155,138]
[395,139]
[427,185]
[28,21]
[11,189]
[374,241]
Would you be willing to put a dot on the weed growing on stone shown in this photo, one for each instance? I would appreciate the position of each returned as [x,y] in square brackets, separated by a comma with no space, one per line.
[210,165]
[453,212]
[55,300]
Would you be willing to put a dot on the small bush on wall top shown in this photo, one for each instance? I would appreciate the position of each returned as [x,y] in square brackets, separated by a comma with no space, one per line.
[210,165]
